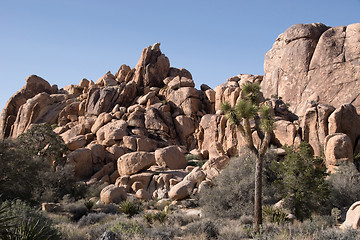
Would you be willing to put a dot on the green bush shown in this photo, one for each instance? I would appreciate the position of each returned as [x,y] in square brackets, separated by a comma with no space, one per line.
[130,208]
[274,215]
[160,216]
[32,167]
[128,230]
[301,182]
[233,192]
[205,227]
[344,186]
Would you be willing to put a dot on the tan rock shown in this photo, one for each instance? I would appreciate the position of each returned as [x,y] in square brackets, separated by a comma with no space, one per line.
[154,121]
[73,132]
[181,190]
[338,149]
[101,120]
[284,132]
[84,83]
[112,132]
[143,194]
[137,186]
[76,142]
[106,170]
[218,162]
[112,194]
[82,161]
[131,163]
[352,217]
[185,127]
[196,176]
[122,73]
[314,60]
[170,157]
[345,120]
[130,142]
[34,85]
[97,155]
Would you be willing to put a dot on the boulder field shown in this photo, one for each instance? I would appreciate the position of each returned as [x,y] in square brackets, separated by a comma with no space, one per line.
[133,130]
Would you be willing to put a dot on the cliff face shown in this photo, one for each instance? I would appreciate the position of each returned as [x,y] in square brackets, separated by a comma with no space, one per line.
[314,62]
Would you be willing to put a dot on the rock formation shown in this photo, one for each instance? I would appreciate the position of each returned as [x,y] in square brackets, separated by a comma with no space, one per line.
[314,62]
[133,129]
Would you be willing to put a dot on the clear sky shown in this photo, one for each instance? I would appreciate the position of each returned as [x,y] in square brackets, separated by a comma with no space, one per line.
[67,40]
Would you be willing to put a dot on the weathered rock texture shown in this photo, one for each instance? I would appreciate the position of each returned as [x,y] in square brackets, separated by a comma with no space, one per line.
[314,62]
[132,130]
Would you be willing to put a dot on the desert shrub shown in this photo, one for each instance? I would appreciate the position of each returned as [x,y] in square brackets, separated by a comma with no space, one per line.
[130,208]
[301,182]
[337,234]
[32,167]
[180,219]
[91,218]
[344,186]
[151,217]
[206,227]
[76,209]
[26,223]
[160,233]
[233,193]
[274,215]
[128,230]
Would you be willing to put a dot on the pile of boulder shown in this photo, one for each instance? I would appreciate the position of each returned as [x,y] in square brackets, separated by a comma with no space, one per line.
[133,130]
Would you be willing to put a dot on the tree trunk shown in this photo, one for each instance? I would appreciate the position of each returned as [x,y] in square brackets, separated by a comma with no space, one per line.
[258,193]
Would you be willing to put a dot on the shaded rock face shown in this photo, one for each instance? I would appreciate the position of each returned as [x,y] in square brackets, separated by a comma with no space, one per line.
[314,62]
[34,85]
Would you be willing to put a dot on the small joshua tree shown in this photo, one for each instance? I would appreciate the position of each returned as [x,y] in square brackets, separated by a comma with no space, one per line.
[248,108]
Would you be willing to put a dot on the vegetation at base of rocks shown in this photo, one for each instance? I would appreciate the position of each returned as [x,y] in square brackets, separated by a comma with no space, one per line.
[345,186]
[25,222]
[32,167]
[152,217]
[233,193]
[275,215]
[130,208]
[301,182]
[249,108]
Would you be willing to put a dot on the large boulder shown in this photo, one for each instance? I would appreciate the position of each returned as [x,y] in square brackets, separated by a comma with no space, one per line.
[34,85]
[82,161]
[285,133]
[186,98]
[352,217]
[338,149]
[314,62]
[134,162]
[114,131]
[346,120]
[170,157]
[112,194]
[315,126]
[185,127]
[43,107]
[152,67]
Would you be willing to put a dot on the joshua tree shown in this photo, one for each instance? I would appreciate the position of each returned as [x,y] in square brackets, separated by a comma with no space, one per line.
[247,109]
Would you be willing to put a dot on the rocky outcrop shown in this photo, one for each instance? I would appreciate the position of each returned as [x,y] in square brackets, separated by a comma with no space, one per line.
[132,130]
[314,62]
[34,85]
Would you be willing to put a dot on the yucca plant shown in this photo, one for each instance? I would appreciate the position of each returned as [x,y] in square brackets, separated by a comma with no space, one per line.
[31,229]
[5,221]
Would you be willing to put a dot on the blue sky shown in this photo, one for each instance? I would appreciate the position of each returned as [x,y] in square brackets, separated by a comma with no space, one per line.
[65,41]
